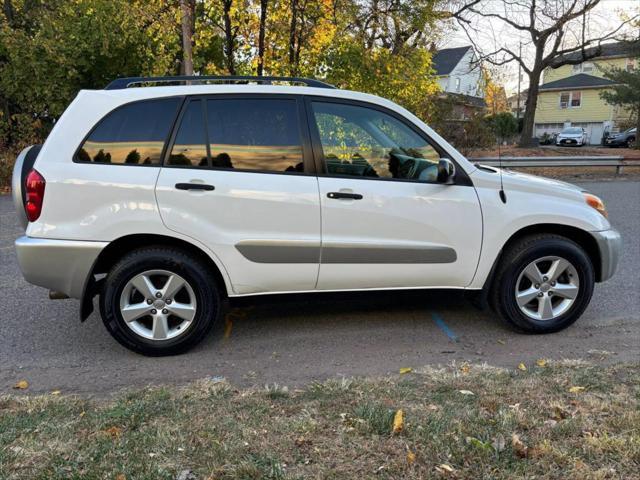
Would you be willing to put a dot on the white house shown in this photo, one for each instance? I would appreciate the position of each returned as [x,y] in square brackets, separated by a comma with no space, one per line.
[460,79]
[458,71]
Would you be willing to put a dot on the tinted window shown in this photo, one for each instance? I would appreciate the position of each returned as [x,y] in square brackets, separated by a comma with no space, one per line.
[190,146]
[254,134]
[364,142]
[133,134]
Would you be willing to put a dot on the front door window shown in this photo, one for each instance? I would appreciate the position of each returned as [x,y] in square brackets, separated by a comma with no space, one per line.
[364,142]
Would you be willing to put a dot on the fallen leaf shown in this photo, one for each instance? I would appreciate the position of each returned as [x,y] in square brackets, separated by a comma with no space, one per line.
[498,443]
[519,447]
[541,362]
[560,413]
[302,442]
[466,392]
[404,370]
[576,389]
[465,368]
[21,385]
[478,443]
[445,469]
[398,421]
[114,432]
[502,342]
[55,392]
[411,457]
[522,366]
[121,476]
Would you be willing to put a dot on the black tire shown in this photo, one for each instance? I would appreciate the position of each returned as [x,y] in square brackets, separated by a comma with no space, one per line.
[198,276]
[514,260]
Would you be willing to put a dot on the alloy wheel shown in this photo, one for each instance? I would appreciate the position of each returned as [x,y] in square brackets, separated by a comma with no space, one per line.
[158,305]
[547,288]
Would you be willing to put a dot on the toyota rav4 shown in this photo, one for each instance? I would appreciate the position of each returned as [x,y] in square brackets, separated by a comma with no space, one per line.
[164,196]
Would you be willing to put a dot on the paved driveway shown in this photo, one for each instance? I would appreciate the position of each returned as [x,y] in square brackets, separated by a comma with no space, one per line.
[292,340]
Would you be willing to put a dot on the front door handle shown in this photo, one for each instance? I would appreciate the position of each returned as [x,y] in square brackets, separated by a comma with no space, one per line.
[194,186]
[345,195]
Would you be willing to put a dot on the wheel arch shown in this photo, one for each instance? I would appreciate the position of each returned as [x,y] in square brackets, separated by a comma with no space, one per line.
[121,246]
[583,238]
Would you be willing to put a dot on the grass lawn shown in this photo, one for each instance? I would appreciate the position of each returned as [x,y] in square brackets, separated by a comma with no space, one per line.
[556,420]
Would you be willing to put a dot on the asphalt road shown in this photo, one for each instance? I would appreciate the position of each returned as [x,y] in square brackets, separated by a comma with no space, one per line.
[292,340]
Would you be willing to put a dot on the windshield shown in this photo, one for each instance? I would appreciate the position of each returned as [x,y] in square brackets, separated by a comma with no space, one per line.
[572,130]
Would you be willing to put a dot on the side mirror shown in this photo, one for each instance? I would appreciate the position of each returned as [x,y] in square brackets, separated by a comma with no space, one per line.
[446,171]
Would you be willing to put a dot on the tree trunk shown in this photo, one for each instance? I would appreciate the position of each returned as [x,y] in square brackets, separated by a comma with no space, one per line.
[263,21]
[186,8]
[526,137]
[229,47]
[293,27]
[8,12]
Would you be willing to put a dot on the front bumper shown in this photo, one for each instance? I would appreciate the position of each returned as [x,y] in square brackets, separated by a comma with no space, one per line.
[568,141]
[610,247]
[60,265]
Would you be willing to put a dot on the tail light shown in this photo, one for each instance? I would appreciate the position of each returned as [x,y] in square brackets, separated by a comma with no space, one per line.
[34,184]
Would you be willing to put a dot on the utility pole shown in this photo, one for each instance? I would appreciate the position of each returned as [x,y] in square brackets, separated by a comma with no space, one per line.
[519,78]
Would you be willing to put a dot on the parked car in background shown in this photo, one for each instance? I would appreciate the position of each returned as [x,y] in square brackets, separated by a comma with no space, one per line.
[622,139]
[166,200]
[576,136]
[548,138]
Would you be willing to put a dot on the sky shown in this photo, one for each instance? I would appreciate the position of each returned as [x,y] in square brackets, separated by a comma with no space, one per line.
[605,16]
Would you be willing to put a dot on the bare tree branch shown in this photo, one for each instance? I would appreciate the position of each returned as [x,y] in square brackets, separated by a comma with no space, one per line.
[548,24]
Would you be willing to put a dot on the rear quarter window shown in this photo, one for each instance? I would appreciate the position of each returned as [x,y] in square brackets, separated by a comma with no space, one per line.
[133,134]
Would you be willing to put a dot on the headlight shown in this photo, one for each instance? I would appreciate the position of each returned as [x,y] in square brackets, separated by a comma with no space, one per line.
[595,202]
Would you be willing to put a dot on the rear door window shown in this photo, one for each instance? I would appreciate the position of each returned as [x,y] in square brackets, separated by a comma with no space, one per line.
[133,134]
[190,146]
[255,134]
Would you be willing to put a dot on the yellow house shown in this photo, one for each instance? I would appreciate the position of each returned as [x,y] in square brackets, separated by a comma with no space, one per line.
[570,94]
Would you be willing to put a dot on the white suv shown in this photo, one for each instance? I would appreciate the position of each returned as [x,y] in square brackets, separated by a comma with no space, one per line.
[165,199]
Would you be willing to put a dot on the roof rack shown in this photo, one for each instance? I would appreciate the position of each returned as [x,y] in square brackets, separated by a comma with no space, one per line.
[122,83]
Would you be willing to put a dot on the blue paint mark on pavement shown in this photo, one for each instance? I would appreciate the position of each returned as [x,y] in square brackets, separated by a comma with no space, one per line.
[439,321]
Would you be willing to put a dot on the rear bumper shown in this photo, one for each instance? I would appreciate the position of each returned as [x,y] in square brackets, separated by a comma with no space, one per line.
[60,265]
[610,246]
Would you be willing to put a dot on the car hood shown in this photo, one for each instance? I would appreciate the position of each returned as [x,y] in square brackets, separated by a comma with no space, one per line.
[525,182]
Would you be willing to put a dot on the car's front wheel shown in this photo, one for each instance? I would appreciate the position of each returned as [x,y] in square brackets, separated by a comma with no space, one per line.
[159,301]
[543,283]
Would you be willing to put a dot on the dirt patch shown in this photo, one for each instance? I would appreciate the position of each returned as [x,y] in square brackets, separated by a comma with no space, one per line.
[581,174]
[551,151]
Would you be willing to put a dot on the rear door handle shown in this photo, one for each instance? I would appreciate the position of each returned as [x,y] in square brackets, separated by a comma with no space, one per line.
[194,186]
[345,195]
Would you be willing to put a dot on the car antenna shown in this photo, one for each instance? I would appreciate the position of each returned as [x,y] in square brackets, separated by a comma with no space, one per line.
[503,196]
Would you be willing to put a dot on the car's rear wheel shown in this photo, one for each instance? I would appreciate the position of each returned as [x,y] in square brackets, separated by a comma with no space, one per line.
[543,283]
[159,301]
